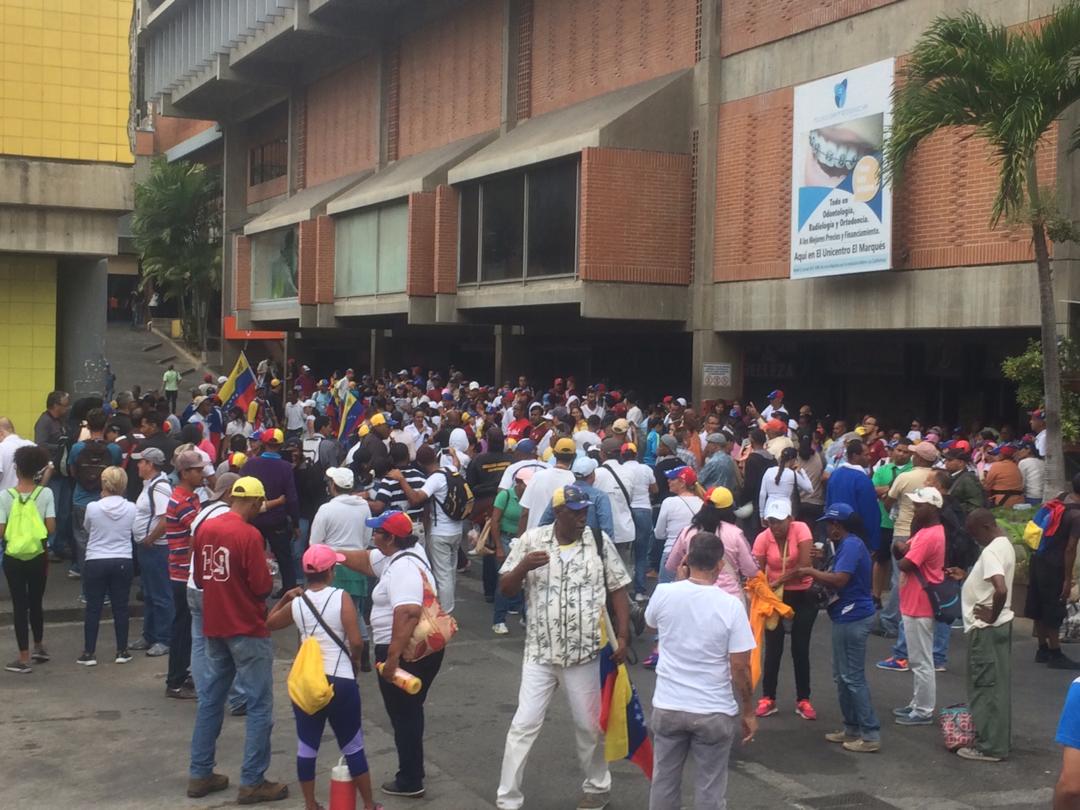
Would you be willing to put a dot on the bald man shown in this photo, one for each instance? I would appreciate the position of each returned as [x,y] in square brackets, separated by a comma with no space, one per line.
[10,441]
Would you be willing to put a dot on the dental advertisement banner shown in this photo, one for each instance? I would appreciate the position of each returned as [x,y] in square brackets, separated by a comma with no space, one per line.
[841,210]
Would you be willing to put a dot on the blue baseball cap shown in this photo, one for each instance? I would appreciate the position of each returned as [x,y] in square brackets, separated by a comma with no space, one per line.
[571,497]
[392,521]
[838,511]
[525,446]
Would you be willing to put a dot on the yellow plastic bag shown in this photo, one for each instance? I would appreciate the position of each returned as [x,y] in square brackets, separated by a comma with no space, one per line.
[1033,535]
[308,686]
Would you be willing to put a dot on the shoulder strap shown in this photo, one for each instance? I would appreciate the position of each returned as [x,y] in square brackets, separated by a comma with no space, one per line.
[409,554]
[324,625]
[617,481]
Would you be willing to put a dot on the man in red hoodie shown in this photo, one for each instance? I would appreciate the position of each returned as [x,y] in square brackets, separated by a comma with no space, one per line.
[230,568]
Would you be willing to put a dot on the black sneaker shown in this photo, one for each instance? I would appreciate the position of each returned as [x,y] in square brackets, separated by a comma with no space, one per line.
[86,660]
[180,693]
[1042,655]
[392,788]
[123,657]
[19,668]
[40,656]
[1058,660]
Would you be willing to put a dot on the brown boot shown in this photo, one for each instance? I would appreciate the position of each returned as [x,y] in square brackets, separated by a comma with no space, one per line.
[197,788]
[265,791]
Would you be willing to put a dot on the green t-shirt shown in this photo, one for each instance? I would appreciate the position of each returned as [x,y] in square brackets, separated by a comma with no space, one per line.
[171,378]
[883,477]
[507,500]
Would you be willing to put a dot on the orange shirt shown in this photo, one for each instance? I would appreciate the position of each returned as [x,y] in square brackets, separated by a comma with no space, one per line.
[1004,476]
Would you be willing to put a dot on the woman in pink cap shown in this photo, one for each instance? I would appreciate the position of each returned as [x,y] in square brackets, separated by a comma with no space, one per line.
[324,613]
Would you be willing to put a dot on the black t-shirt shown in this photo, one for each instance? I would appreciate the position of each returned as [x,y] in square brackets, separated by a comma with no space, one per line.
[1068,528]
[754,470]
[663,466]
[310,488]
[485,472]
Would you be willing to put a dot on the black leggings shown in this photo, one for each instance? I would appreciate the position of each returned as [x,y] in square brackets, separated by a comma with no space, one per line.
[802,625]
[26,581]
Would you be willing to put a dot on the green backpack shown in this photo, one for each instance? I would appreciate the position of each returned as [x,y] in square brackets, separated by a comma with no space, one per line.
[25,534]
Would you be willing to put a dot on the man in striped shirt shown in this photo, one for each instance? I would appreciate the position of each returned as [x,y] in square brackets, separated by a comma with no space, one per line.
[388,493]
[183,507]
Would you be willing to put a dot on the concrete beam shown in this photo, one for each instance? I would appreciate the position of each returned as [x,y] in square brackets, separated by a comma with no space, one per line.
[499,296]
[65,232]
[372,306]
[647,302]
[56,184]
[986,297]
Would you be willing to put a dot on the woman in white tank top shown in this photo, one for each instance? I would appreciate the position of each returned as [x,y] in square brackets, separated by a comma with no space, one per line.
[338,634]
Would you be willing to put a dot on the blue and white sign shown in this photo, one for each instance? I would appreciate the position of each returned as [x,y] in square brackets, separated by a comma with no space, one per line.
[841,210]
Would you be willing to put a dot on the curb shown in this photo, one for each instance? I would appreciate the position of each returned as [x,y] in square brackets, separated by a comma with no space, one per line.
[185,355]
[75,614]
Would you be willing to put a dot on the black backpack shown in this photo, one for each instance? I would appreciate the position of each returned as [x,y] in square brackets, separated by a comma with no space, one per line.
[459,499]
[91,463]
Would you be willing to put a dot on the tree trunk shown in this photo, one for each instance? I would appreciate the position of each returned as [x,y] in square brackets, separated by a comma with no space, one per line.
[1055,456]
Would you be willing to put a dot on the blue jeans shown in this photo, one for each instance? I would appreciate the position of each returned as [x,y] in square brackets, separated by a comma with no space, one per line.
[665,576]
[198,651]
[889,618]
[643,535]
[250,660]
[113,577]
[941,644]
[62,541]
[158,608]
[299,546]
[849,673]
[504,605]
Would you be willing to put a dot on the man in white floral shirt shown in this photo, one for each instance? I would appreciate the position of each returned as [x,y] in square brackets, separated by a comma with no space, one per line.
[567,583]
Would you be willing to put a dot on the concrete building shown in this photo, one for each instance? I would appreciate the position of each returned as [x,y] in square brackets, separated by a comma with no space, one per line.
[594,188]
[65,180]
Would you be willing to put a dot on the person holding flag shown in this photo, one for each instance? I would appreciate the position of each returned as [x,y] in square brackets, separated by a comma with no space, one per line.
[703,686]
[238,390]
[564,639]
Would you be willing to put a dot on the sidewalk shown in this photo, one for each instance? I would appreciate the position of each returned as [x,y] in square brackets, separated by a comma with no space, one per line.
[62,599]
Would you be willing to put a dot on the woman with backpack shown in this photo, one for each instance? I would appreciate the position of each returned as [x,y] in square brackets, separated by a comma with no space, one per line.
[107,567]
[27,518]
[324,613]
[787,482]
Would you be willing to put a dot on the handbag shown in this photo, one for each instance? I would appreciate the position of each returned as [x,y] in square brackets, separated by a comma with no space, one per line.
[435,627]
[482,548]
[944,597]
[957,726]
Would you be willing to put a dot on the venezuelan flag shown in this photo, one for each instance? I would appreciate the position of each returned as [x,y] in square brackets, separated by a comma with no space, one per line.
[352,411]
[239,390]
[621,716]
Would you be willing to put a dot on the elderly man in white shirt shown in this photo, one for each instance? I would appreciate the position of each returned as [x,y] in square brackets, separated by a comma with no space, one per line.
[10,441]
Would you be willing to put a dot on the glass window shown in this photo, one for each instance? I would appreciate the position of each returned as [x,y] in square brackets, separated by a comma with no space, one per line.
[469,257]
[356,241]
[552,220]
[273,265]
[503,202]
[268,161]
[393,247]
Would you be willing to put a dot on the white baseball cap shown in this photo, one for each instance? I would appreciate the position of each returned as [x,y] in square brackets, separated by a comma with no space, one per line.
[777,509]
[342,477]
[927,495]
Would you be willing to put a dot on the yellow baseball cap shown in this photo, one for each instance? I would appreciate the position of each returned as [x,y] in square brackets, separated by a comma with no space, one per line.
[363,430]
[721,497]
[237,459]
[565,447]
[377,419]
[248,487]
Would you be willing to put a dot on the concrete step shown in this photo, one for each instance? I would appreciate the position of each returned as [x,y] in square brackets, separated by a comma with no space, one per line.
[149,347]
[165,360]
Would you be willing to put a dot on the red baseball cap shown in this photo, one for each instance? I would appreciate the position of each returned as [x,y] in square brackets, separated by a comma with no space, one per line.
[684,474]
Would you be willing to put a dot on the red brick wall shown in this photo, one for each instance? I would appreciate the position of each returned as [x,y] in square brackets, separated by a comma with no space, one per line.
[580,50]
[342,122]
[753,187]
[169,131]
[299,135]
[941,207]
[746,24]
[271,188]
[306,262]
[242,270]
[324,260]
[450,71]
[635,223]
[446,239]
[420,263]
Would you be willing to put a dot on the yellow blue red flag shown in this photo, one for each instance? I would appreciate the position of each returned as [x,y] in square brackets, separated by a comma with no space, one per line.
[239,390]
[621,717]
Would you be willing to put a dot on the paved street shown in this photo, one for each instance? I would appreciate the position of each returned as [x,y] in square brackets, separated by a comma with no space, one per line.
[108,737]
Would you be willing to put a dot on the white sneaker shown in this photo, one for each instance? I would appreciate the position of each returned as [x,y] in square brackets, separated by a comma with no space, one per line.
[500,629]
[640,597]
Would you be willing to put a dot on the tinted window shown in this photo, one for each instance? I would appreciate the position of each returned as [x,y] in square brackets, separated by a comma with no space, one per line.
[468,255]
[552,220]
[503,203]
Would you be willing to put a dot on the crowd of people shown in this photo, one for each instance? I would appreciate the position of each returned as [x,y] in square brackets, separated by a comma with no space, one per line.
[571,502]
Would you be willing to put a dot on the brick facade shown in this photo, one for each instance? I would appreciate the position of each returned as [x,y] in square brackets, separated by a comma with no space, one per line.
[342,122]
[745,24]
[299,135]
[447,205]
[306,259]
[242,272]
[450,86]
[420,261]
[324,260]
[753,187]
[581,50]
[635,217]
[169,131]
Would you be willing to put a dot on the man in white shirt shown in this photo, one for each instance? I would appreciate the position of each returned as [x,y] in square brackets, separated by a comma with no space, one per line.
[592,406]
[148,530]
[1032,468]
[614,482]
[543,484]
[985,599]
[702,680]
[1038,427]
[294,416]
[10,441]
[417,431]
[641,482]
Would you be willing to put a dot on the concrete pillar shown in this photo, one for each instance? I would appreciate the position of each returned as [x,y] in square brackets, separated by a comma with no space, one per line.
[708,346]
[508,356]
[1067,254]
[511,22]
[377,356]
[721,356]
[82,296]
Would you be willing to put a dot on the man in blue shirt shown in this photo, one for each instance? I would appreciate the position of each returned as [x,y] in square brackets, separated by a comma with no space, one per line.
[86,461]
[1067,790]
[719,467]
[850,484]
[599,514]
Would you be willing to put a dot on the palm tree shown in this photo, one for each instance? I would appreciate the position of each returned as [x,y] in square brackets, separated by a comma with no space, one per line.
[177,231]
[1007,87]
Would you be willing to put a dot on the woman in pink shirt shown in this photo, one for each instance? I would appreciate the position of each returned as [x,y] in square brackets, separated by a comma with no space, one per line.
[784,546]
[718,515]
